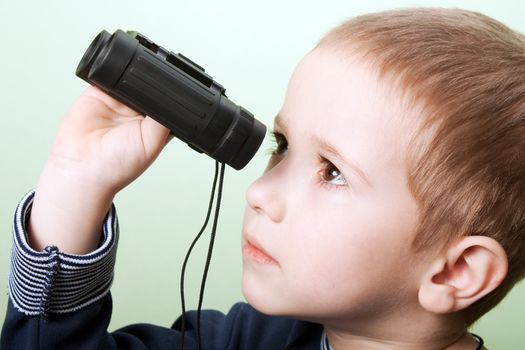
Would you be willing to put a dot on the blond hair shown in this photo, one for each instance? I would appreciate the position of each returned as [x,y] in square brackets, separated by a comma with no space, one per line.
[467,71]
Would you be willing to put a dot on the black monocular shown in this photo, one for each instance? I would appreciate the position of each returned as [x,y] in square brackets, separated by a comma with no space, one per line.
[176,92]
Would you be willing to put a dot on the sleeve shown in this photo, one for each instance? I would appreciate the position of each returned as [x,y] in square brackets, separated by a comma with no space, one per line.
[58,300]
[47,282]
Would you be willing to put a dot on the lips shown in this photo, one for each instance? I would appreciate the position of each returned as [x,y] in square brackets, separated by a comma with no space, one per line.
[253,251]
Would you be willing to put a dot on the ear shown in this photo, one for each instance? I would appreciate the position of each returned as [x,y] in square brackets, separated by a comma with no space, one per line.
[469,269]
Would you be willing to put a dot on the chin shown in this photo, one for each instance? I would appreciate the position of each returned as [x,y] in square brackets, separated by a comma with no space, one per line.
[260,299]
[268,302]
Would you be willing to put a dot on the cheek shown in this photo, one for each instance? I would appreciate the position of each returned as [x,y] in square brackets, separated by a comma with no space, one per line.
[323,251]
[359,246]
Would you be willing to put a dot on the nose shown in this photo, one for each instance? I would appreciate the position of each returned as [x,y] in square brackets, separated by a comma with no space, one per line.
[266,195]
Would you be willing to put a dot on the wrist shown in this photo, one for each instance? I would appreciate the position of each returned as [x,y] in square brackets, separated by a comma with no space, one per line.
[68,211]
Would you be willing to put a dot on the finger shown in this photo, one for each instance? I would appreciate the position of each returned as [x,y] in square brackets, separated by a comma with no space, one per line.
[113,104]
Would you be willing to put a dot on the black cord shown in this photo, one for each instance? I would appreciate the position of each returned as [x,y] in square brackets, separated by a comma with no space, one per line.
[210,250]
[480,341]
[188,253]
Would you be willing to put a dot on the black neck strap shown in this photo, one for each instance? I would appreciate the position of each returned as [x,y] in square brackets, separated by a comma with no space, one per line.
[208,257]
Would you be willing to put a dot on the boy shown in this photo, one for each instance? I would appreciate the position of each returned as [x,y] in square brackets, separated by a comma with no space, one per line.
[389,217]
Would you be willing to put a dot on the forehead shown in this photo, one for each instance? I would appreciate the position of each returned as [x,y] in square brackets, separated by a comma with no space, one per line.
[340,99]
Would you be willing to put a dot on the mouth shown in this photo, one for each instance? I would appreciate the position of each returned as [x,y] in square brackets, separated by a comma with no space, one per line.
[252,251]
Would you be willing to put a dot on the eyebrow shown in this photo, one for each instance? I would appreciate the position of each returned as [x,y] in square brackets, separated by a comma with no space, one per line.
[281,124]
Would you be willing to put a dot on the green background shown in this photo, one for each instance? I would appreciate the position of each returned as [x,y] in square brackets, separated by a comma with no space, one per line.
[250,48]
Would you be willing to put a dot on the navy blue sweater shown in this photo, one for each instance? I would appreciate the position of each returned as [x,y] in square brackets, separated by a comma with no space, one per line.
[62,301]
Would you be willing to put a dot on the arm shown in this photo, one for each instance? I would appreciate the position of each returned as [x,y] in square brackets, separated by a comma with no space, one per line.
[62,263]
[58,300]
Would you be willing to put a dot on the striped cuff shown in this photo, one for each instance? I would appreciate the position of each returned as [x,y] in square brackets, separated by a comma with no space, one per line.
[54,282]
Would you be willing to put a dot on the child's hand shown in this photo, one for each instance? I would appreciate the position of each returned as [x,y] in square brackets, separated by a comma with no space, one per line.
[101,147]
[103,142]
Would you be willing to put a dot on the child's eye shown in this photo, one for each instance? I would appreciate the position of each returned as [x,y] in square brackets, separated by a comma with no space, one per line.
[280,148]
[330,174]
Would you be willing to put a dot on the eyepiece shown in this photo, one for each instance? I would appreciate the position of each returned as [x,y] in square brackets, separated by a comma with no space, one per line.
[251,144]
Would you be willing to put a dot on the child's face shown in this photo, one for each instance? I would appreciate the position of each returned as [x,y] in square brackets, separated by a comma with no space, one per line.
[333,213]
